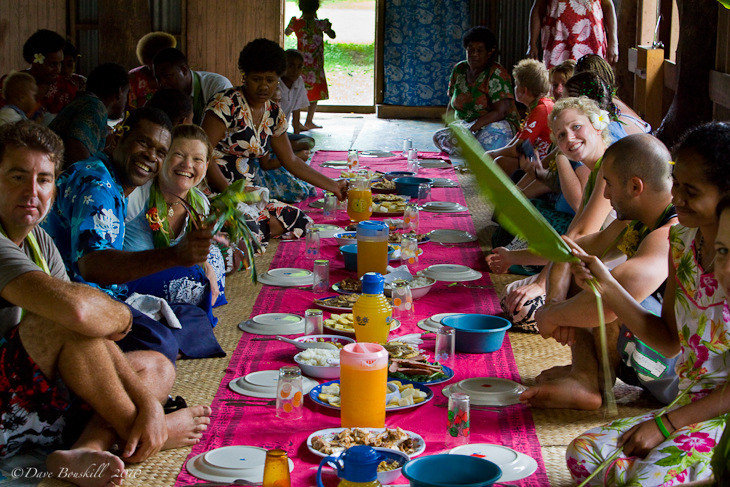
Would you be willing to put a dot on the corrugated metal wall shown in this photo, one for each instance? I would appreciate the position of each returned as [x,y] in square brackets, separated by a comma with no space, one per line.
[509,19]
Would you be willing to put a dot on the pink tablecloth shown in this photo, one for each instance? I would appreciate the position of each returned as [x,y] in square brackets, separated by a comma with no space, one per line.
[258,426]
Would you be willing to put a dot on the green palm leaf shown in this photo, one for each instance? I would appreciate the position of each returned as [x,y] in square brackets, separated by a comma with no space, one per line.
[516,214]
[514,211]
[725,3]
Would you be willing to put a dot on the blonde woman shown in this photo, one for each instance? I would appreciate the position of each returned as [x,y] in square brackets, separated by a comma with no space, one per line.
[580,130]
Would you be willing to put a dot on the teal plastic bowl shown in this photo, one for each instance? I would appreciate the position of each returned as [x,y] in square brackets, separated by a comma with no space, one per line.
[349,254]
[448,471]
[476,333]
[408,185]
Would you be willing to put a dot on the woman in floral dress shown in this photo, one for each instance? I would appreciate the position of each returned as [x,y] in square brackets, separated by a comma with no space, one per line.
[570,29]
[480,95]
[310,42]
[677,446]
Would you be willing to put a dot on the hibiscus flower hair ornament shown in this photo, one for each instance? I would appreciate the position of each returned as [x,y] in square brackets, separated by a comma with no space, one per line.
[600,120]
[39,58]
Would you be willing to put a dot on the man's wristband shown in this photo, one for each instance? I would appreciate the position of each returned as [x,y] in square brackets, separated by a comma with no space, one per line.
[662,428]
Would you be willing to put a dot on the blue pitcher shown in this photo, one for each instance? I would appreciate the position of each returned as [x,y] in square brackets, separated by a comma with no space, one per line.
[356,467]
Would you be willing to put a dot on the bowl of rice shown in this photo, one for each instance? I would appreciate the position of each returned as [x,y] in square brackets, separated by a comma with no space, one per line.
[320,363]
[420,286]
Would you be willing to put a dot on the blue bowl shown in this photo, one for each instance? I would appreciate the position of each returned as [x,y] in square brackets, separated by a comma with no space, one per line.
[451,471]
[477,333]
[349,253]
[409,185]
[397,174]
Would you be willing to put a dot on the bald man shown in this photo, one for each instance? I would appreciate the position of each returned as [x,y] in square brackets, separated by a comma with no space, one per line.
[638,184]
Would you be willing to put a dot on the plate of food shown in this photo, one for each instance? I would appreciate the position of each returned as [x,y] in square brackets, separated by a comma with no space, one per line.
[328,441]
[343,324]
[419,371]
[383,186]
[395,238]
[348,286]
[342,302]
[389,204]
[409,395]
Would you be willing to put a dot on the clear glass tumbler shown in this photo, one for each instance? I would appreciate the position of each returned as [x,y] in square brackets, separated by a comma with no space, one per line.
[289,394]
[321,278]
[413,161]
[410,218]
[313,322]
[445,346]
[402,300]
[312,241]
[408,251]
[353,160]
[407,145]
[424,193]
[329,205]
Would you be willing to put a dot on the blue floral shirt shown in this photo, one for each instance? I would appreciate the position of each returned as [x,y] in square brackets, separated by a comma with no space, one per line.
[88,215]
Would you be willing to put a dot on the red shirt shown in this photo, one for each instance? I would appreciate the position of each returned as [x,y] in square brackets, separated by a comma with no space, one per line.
[536,128]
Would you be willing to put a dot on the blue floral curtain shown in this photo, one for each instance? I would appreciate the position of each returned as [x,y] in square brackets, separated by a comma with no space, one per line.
[422,45]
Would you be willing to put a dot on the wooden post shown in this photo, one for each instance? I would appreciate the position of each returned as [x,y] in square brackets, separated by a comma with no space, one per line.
[646,12]
[649,84]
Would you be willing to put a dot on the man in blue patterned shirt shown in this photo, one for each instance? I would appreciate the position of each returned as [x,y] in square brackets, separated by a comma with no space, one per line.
[87,225]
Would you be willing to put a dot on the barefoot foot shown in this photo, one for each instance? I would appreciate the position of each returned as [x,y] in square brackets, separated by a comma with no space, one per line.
[86,467]
[185,427]
[312,125]
[299,128]
[553,373]
[565,393]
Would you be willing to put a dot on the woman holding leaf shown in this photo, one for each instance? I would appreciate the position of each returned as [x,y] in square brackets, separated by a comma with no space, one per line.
[158,216]
[675,446]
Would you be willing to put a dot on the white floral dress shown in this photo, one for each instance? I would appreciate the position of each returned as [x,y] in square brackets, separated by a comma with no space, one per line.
[703,318]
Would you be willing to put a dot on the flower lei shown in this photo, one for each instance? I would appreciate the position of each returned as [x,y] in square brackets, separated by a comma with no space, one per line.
[157,206]
[632,236]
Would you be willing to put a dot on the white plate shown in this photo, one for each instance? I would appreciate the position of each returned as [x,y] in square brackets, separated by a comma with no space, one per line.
[443,207]
[451,273]
[433,323]
[262,384]
[229,463]
[317,204]
[514,465]
[331,432]
[274,324]
[433,164]
[338,164]
[326,230]
[444,183]
[446,235]
[287,277]
[488,391]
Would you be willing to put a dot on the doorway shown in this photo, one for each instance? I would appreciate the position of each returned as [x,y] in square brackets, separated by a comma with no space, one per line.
[349,58]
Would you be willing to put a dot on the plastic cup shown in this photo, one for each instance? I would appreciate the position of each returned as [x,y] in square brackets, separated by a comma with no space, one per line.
[410,218]
[289,394]
[424,193]
[407,145]
[353,160]
[458,420]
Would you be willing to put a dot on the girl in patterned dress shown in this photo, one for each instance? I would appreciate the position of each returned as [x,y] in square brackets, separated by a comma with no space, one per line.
[310,42]
[677,446]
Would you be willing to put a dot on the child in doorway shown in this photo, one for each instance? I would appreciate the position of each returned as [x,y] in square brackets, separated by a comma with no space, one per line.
[310,41]
[293,98]
[20,91]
